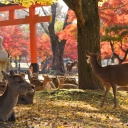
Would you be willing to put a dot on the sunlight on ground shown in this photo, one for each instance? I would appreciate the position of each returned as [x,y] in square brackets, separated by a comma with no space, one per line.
[71,109]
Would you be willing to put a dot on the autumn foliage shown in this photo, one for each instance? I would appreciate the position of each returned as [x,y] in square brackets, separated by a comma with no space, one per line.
[17,43]
[112,13]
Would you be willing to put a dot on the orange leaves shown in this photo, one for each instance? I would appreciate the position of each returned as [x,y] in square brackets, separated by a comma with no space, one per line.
[114,12]
[106,51]
[71,16]
[43,47]
[13,40]
[70,35]
[70,32]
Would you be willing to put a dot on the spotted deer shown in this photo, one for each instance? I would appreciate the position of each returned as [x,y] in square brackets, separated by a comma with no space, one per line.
[16,86]
[110,76]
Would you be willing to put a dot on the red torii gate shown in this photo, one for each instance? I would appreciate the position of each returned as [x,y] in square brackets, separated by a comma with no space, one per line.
[32,19]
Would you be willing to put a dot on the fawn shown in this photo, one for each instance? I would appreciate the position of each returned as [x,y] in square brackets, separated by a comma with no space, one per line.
[16,86]
[110,76]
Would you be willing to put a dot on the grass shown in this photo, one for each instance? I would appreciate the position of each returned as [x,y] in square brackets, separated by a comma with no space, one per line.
[71,109]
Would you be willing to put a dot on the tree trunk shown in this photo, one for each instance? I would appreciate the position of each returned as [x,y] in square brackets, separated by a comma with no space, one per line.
[57,46]
[88,24]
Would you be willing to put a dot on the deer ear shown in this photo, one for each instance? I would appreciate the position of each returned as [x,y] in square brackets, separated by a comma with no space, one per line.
[5,75]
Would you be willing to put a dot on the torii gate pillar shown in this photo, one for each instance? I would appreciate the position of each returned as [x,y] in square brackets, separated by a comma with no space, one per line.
[33,45]
[32,19]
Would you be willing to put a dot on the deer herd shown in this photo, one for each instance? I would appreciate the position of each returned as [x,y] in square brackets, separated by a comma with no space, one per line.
[15,89]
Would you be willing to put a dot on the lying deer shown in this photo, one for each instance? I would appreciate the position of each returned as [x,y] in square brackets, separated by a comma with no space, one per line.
[26,98]
[16,86]
[47,82]
[122,88]
[71,81]
[110,76]
[33,78]
[61,84]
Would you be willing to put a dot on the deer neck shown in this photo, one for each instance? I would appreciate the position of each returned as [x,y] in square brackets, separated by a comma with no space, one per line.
[45,82]
[60,85]
[96,68]
[8,100]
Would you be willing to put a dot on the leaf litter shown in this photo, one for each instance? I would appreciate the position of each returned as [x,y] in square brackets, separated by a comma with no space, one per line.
[72,108]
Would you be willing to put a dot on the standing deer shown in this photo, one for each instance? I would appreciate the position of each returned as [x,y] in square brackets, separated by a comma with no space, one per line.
[110,76]
[70,65]
[16,86]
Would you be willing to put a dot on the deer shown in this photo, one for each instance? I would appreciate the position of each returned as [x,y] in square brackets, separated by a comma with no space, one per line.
[110,76]
[26,98]
[123,88]
[40,84]
[47,82]
[71,81]
[33,78]
[70,65]
[16,86]
[62,85]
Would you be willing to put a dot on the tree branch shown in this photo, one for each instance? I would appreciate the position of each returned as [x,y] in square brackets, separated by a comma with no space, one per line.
[76,6]
[114,8]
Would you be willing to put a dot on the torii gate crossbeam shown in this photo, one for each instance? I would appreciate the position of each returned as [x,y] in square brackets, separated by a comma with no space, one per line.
[32,19]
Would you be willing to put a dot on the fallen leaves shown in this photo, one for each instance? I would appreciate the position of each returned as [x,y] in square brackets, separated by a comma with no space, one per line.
[71,109]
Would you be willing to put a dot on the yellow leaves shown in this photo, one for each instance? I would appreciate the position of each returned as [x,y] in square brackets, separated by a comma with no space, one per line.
[60,127]
[81,110]
[5,2]
[58,26]
[28,3]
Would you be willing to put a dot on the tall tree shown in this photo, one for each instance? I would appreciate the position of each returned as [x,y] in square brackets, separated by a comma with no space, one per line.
[56,44]
[88,25]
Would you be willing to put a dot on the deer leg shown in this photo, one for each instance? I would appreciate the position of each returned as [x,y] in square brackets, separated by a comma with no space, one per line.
[12,118]
[114,93]
[105,94]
